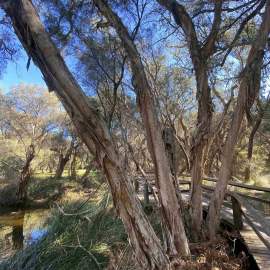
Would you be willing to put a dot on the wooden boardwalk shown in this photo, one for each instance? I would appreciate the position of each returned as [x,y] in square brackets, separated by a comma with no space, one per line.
[255,229]
[256,247]
[252,225]
[256,239]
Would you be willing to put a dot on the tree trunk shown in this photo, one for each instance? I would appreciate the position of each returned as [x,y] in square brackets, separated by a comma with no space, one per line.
[60,167]
[87,171]
[146,193]
[63,160]
[250,147]
[91,128]
[73,173]
[248,91]
[168,135]
[170,208]
[25,174]
[200,56]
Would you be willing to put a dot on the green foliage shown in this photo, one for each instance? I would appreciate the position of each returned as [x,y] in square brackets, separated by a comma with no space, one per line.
[8,195]
[83,240]
[39,187]
[10,166]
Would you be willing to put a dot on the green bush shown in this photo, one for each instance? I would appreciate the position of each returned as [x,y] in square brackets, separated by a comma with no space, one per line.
[82,239]
[10,167]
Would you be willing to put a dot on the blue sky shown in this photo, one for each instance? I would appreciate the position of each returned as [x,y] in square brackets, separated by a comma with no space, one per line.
[17,73]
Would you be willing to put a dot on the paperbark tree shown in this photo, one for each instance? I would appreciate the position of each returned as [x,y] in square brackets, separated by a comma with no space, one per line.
[91,128]
[63,160]
[200,55]
[250,79]
[29,116]
[251,138]
[25,173]
[170,209]
[73,173]
[251,143]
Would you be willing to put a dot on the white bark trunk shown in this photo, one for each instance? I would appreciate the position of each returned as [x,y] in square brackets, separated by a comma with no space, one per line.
[170,208]
[248,91]
[91,128]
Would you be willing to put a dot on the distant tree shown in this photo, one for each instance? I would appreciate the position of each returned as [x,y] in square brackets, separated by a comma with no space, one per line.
[92,129]
[138,88]
[29,117]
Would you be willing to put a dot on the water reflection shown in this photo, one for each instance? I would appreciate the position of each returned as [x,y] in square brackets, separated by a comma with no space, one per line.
[19,229]
[17,237]
[36,235]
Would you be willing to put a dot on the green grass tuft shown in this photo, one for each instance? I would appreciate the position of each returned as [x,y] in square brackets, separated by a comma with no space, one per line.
[84,240]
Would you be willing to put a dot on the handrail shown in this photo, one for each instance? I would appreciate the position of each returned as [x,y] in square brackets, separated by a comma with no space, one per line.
[254,219]
[188,182]
[235,184]
[241,208]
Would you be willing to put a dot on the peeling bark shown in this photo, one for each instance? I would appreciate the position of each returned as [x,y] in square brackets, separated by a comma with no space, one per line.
[200,56]
[248,91]
[91,128]
[25,174]
[170,208]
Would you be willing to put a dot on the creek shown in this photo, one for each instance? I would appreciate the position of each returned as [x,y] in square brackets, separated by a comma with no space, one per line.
[20,229]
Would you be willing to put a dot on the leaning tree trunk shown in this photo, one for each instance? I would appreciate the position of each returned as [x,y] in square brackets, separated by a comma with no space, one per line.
[88,169]
[25,174]
[252,136]
[60,166]
[170,209]
[248,91]
[91,128]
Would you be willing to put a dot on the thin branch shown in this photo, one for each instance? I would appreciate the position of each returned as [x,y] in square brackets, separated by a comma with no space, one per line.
[241,28]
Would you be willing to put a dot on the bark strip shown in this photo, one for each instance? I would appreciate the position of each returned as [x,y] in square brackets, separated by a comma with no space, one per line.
[200,56]
[91,128]
[170,208]
[248,91]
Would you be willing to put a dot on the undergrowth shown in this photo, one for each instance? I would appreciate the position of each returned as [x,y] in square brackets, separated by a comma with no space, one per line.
[81,235]
[87,234]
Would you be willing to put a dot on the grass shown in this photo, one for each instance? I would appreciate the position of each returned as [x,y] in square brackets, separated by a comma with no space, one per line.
[87,239]
[83,233]
[44,183]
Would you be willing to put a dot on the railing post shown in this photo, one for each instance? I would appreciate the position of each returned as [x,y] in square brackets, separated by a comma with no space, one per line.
[136,184]
[146,193]
[237,214]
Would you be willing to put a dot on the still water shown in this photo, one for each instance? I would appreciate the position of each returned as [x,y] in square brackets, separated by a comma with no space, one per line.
[19,229]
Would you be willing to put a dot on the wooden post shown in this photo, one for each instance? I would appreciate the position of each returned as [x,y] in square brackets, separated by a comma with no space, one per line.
[136,184]
[237,214]
[146,193]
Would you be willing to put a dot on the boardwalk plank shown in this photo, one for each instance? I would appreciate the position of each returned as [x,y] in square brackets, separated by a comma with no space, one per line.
[256,247]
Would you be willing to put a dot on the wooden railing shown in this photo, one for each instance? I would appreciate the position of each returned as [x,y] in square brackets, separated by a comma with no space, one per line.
[242,208]
[234,184]
[252,225]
